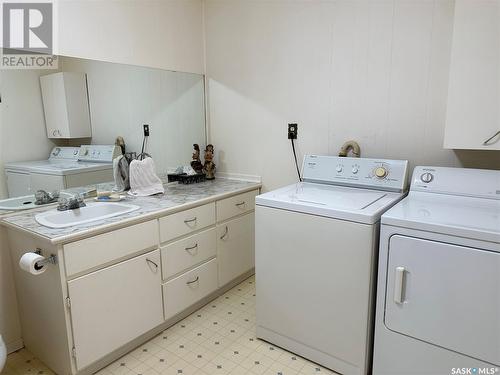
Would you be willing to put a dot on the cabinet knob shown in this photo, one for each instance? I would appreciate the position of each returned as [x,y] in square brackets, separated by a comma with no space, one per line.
[488,141]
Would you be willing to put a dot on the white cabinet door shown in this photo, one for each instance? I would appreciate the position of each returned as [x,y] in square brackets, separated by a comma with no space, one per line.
[473,117]
[115,305]
[66,105]
[236,247]
[446,295]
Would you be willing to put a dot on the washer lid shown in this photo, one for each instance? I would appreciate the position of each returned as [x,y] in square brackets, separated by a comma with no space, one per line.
[354,204]
[469,217]
[56,167]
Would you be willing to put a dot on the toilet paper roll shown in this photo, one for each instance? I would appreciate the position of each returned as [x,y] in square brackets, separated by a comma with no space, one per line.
[28,263]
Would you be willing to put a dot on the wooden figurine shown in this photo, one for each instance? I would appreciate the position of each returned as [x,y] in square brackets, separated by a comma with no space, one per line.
[196,163]
[209,166]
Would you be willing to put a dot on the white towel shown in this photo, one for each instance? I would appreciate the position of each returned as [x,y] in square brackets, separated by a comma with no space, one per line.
[143,178]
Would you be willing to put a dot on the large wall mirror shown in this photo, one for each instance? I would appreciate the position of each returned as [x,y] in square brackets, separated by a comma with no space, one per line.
[121,98]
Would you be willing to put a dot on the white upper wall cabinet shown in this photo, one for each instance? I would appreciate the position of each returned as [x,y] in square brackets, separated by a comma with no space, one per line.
[472,120]
[66,105]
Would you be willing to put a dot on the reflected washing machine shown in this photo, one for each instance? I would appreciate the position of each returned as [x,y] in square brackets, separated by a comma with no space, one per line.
[316,251]
[66,167]
[438,290]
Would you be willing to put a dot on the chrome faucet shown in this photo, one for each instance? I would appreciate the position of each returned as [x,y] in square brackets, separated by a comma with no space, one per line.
[43,197]
[71,203]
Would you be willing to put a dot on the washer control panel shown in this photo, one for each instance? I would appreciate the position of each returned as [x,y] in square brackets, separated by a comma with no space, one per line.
[383,174]
[64,153]
[99,153]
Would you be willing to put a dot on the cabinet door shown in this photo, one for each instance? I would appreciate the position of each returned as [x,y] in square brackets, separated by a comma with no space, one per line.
[54,105]
[236,247]
[115,305]
[473,115]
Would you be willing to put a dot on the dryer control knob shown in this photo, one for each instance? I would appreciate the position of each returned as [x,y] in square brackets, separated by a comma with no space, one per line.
[427,177]
[380,172]
[339,168]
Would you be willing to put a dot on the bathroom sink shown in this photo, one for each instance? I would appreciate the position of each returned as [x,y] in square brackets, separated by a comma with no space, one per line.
[91,212]
[21,203]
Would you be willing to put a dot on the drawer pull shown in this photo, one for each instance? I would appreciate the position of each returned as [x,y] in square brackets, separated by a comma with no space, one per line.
[240,204]
[194,281]
[488,141]
[223,237]
[151,262]
[188,249]
[190,220]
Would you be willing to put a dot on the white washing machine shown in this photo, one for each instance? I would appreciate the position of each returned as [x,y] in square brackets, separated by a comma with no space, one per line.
[65,168]
[316,251]
[438,294]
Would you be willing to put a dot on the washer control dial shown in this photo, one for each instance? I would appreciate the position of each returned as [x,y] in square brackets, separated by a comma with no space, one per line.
[339,168]
[427,177]
[355,169]
[381,172]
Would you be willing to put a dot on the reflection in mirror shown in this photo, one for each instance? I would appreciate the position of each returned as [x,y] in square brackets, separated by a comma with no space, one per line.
[121,99]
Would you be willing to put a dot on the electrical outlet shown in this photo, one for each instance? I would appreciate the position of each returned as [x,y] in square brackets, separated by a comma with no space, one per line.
[146,130]
[292,131]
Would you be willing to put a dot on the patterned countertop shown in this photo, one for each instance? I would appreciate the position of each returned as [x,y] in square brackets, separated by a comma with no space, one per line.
[177,197]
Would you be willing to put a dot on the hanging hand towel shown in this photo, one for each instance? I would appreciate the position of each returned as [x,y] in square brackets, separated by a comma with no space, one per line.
[121,174]
[143,178]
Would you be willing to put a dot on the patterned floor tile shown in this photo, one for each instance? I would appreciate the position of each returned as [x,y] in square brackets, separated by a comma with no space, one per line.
[217,339]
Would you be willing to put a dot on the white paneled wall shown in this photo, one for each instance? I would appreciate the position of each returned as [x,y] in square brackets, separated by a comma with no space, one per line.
[164,34]
[373,71]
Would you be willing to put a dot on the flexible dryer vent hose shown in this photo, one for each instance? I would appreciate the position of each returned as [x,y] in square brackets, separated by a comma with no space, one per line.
[350,146]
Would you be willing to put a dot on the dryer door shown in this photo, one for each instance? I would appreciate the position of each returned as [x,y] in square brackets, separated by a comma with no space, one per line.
[446,295]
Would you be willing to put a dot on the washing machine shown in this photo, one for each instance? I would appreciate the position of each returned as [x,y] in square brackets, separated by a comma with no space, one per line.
[316,252]
[65,168]
[438,294]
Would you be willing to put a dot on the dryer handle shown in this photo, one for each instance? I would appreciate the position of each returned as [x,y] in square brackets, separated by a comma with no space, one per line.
[399,285]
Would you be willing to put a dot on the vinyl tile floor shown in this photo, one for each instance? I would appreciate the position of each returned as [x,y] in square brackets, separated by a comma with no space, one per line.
[217,339]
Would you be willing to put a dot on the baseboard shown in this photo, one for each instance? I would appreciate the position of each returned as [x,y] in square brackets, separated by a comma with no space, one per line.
[14,346]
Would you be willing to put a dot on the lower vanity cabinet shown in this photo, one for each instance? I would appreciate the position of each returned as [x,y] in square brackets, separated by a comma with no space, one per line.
[115,305]
[111,290]
[235,247]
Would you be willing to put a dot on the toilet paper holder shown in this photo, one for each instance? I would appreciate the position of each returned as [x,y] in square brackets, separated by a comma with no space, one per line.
[52,258]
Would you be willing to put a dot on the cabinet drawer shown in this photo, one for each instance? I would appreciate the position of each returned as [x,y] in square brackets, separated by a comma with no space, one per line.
[188,288]
[239,204]
[105,248]
[185,222]
[183,254]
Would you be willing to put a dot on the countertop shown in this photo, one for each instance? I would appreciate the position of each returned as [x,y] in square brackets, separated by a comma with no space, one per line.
[177,197]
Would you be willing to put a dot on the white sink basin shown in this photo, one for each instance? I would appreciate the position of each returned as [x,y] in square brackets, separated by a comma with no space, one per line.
[21,203]
[92,212]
